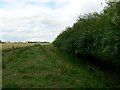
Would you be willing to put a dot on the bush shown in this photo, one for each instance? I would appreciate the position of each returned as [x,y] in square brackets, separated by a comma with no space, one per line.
[94,34]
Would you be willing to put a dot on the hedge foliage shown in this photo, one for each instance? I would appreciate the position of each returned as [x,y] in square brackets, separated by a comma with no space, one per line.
[95,34]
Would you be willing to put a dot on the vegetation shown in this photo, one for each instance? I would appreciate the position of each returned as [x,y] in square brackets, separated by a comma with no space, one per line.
[17,45]
[95,35]
[36,42]
[45,66]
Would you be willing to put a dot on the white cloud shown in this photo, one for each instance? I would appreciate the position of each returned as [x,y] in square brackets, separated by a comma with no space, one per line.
[41,20]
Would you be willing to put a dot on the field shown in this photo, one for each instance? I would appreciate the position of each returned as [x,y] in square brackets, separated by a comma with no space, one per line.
[45,66]
[0,47]
[10,45]
[86,55]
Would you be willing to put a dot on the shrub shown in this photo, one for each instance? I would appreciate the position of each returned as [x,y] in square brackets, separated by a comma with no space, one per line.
[94,34]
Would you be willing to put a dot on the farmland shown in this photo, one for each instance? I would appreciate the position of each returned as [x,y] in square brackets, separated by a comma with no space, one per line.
[85,55]
[16,45]
[46,66]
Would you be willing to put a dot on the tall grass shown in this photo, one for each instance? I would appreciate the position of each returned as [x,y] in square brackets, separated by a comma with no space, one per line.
[48,67]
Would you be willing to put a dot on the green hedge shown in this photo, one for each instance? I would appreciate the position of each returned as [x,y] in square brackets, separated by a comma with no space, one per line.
[94,34]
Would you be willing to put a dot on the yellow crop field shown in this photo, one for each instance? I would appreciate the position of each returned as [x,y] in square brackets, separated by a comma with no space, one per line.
[15,45]
[0,46]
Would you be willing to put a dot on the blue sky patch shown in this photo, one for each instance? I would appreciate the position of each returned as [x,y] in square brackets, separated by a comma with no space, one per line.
[2,3]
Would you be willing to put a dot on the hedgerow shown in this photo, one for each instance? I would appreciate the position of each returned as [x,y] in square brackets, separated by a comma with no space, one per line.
[94,34]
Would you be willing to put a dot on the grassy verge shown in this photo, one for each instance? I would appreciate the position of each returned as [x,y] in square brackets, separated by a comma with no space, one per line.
[47,67]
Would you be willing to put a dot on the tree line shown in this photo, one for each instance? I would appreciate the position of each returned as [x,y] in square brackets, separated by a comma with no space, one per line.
[94,35]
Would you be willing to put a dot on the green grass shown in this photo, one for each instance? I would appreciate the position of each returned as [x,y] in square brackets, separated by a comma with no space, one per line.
[45,66]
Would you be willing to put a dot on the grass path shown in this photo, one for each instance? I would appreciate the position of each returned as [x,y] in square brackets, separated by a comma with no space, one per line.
[47,67]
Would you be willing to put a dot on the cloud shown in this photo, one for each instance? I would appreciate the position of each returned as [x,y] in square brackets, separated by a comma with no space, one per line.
[41,20]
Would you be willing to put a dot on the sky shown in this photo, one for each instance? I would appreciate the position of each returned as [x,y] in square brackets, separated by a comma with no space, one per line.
[41,20]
